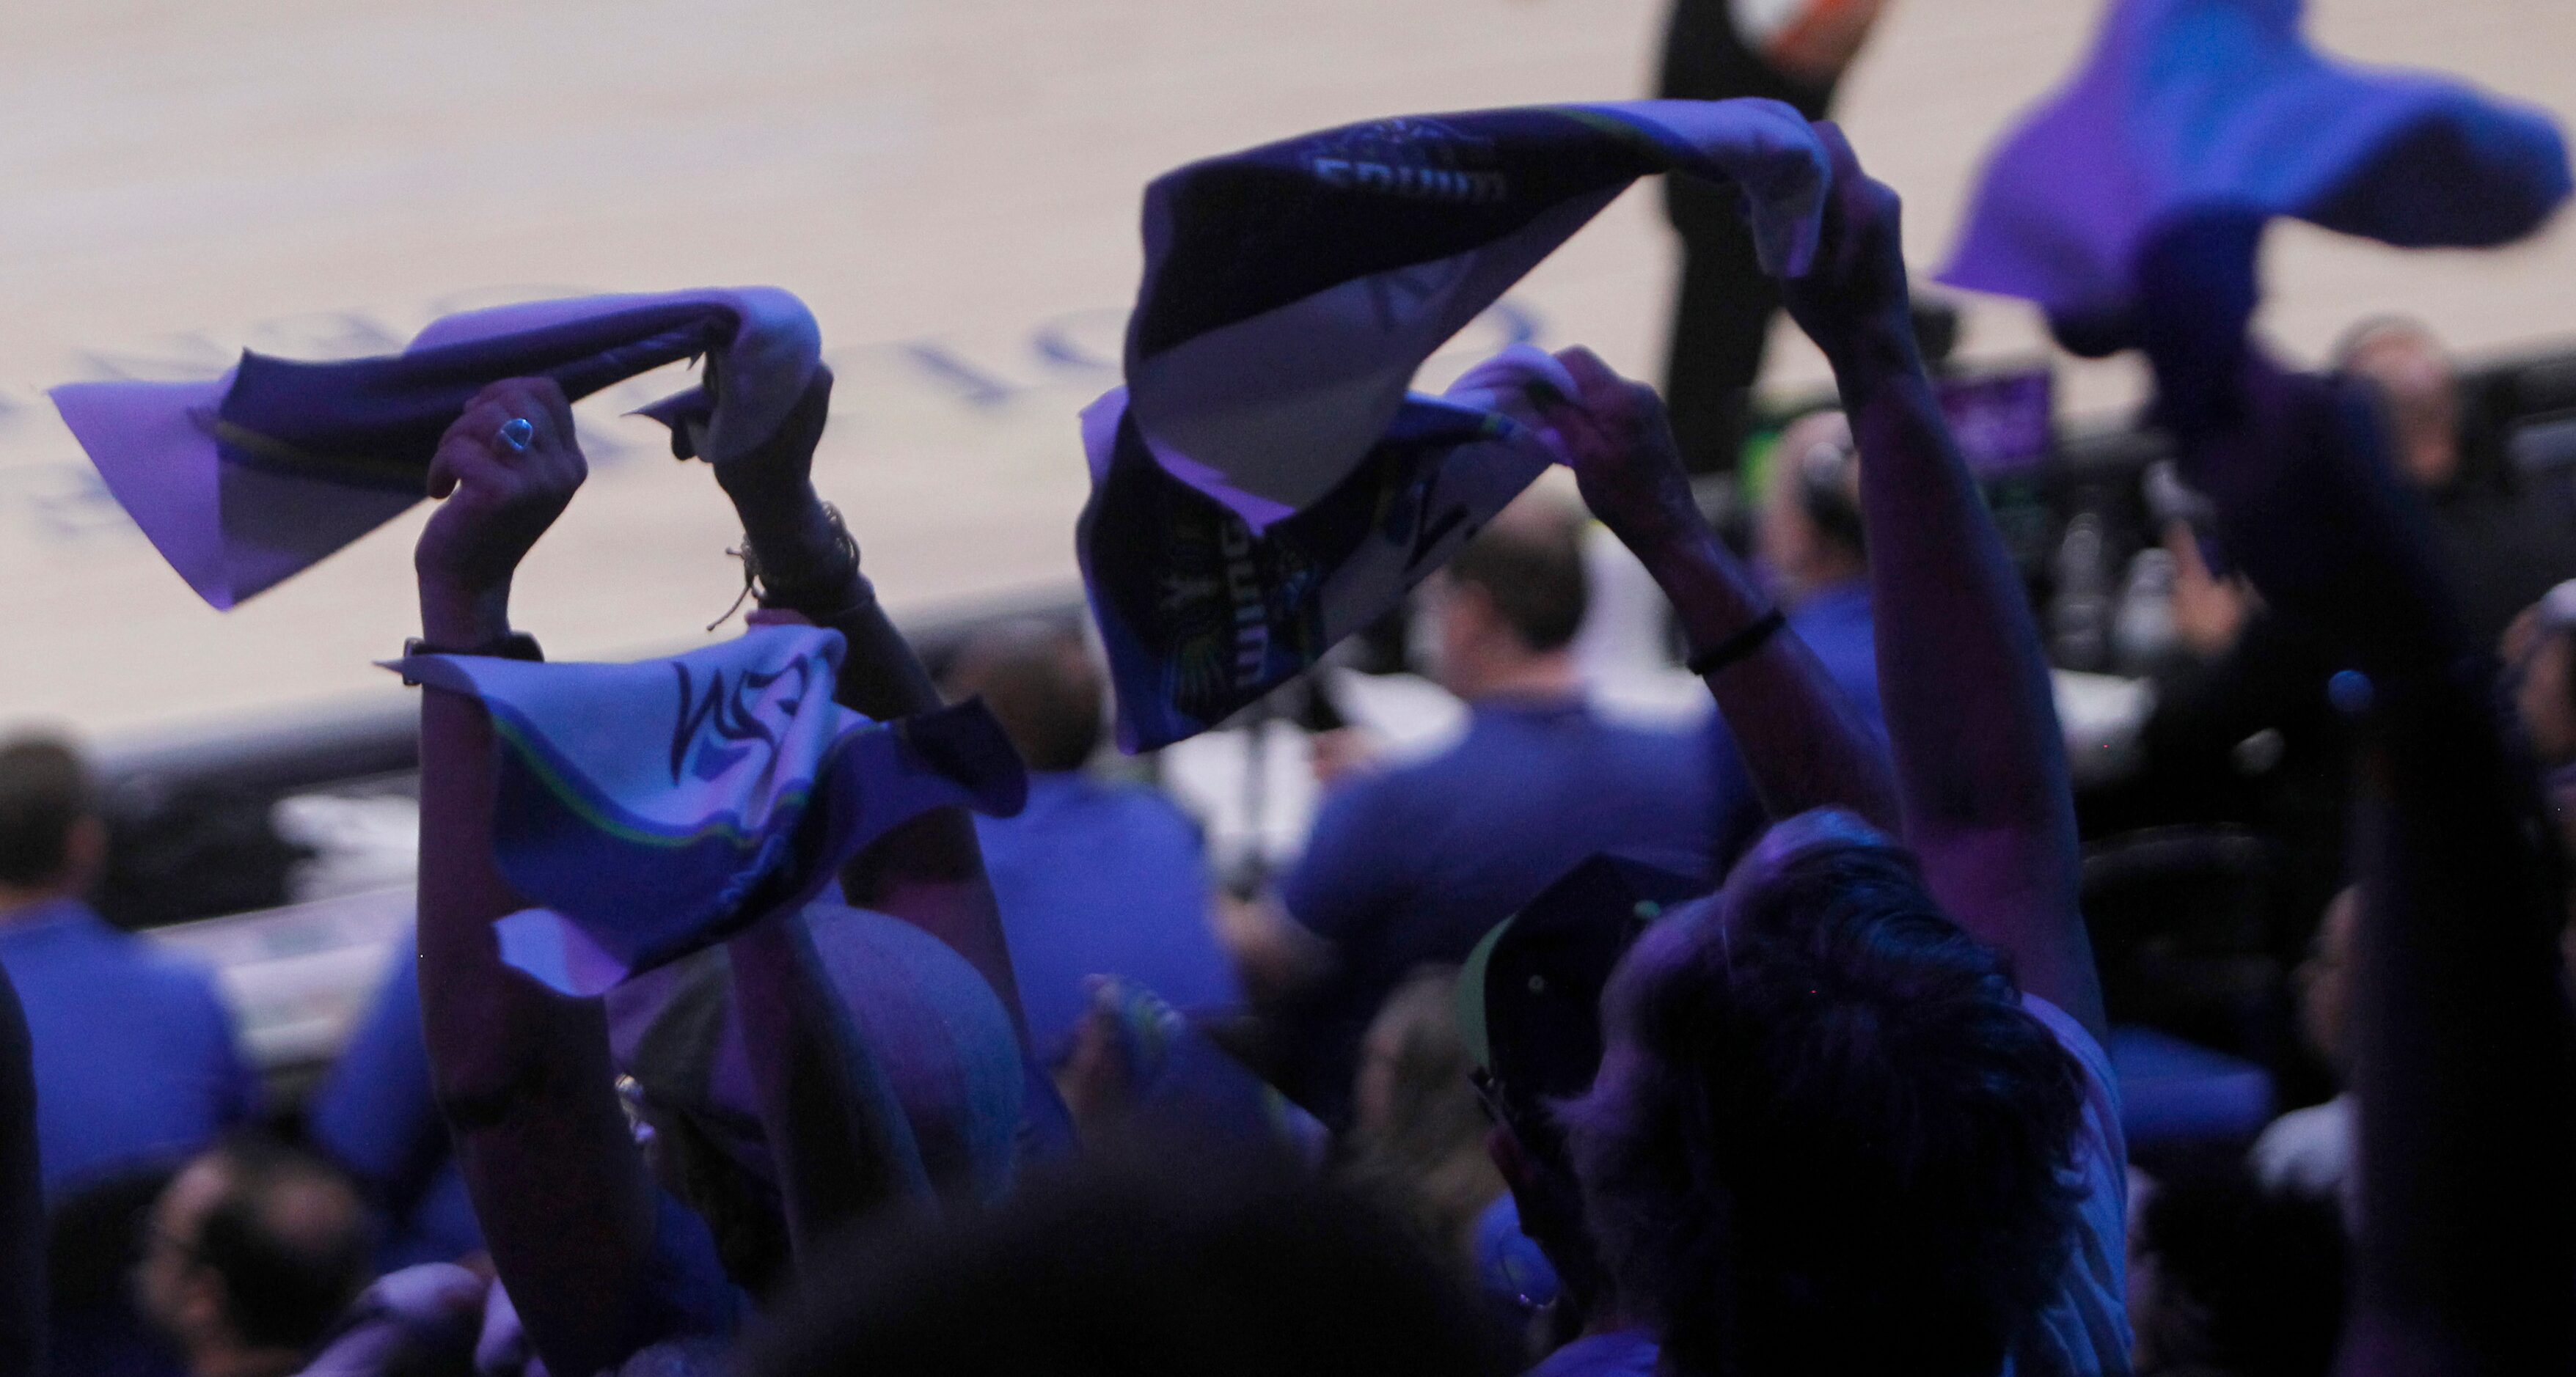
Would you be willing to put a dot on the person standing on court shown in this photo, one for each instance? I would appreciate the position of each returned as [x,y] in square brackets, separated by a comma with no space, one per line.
[1787,50]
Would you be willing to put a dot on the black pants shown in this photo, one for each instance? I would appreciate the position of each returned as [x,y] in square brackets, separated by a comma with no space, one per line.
[1722,312]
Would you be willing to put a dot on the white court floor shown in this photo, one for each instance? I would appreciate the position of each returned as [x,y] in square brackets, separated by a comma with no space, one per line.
[952,184]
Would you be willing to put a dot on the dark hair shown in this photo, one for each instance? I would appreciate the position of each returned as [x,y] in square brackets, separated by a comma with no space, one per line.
[1038,679]
[44,792]
[1824,478]
[2370,329]
[2245,1281]
[288,1270]
[1175,1259]
[1532,569]
[1826,1135]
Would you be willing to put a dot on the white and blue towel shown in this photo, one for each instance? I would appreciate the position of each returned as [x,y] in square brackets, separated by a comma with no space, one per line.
[655,808]
[1265,483]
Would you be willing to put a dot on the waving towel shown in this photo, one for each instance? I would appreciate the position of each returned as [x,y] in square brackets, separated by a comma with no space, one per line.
[657,807]
[2198,106]
[1265,484]
[249,479]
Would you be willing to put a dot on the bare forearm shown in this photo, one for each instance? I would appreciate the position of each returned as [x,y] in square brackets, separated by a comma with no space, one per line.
[1980,764]
[1803,741]
[523,1076]
[930,871]
[487,1032]
[837,1161]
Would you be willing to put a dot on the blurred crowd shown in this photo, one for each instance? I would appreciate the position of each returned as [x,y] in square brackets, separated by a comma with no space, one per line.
[1718,944]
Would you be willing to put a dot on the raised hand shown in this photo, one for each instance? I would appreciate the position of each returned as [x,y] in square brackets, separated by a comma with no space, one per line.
[1852,302]
[1803,743]
[1615,437]
[772,485]
[503,472]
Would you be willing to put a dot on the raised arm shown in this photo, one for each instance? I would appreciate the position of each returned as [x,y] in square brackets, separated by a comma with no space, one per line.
[1804,743]
[929,872]
[22,1199]
[822,1094]
[1980,764]
[2464,1048]
[522,1074]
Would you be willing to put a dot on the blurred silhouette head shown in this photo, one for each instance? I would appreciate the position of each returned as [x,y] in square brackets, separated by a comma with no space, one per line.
[1040,682]
[255,1249]
[2419,392]
[1417,1132]
[1508,605]
[1809,534]
[1826,1135]
[2225,1278]
[1174,1258]
[51,840]
[1530,1011]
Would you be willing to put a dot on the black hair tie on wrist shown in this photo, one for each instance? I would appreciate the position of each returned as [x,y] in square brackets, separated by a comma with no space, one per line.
[1739,646]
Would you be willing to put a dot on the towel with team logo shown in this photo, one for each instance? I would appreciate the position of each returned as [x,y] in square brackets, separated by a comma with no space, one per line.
[2191,107]
[655,808]
[1265,483]
[247,480]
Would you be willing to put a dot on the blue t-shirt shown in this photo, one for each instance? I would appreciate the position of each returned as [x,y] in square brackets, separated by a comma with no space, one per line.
[1414,864]
[1836,624]
[377,1115]
[1102,879]
[134,1055]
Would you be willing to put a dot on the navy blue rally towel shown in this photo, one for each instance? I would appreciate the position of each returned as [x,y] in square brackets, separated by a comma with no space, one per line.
[1265,484]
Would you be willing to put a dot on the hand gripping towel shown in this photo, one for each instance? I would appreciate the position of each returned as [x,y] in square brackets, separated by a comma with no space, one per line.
[249,479]
[1265,484]
[655,808]
[2194,107]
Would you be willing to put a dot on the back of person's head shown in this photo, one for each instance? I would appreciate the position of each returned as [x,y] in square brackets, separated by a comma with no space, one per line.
[2418,387]
[45,800]
[1419,1135]
[1528,567]
[255,1247]
[1529,1008]
[1810,530]
[1039,680]
[943,1043]
[1826,1136]
[1177,1258]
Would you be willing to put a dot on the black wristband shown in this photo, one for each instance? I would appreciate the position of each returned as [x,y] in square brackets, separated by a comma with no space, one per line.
[1739,646]
[518,645]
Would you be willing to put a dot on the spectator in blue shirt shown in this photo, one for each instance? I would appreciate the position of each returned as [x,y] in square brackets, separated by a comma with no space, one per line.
[1808,541]
[1414,864]
[134,1054]
[1092,878]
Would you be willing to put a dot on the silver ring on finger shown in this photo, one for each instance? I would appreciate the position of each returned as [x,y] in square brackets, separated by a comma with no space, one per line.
[516,434]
